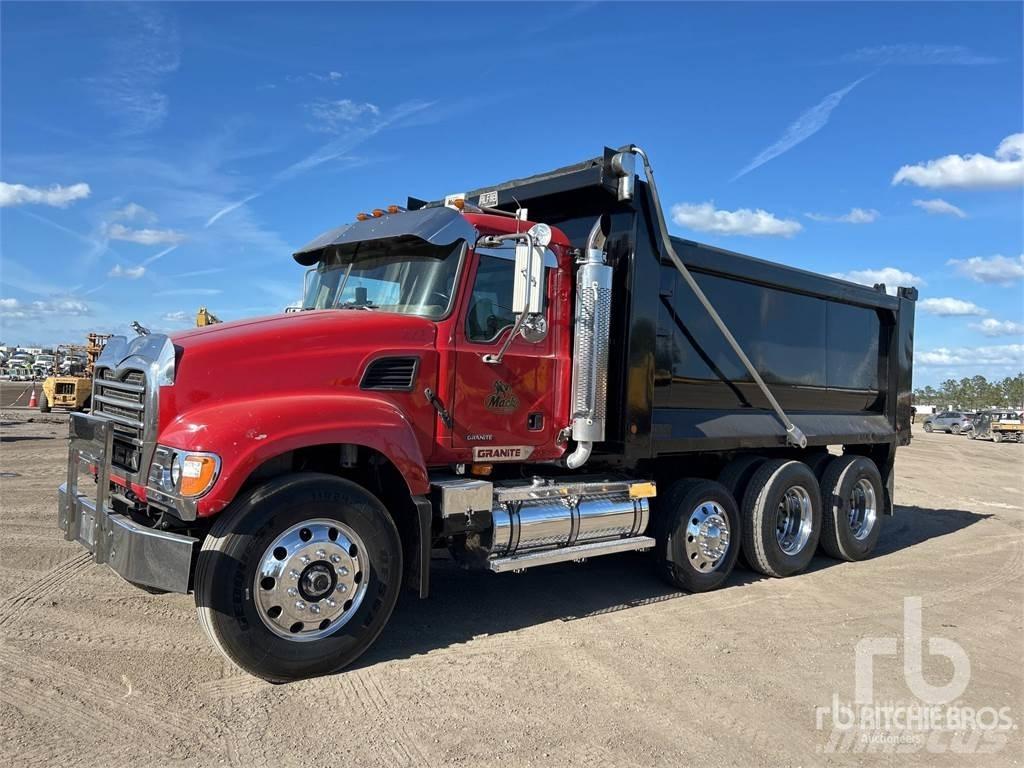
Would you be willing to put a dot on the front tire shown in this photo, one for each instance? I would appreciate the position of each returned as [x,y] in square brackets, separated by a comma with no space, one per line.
[698,533]
[44,404]
[928,427]
[955,429]
[781,518]
[299,576]
[997,437]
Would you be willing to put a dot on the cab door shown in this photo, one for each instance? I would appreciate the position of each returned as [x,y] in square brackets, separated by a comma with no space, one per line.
[507,411]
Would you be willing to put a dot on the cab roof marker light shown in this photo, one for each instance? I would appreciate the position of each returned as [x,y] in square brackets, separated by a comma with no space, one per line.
[378,212]
[362,216]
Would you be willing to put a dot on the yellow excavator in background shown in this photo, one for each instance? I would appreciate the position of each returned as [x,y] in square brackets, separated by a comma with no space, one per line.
[206,317]
[72,388]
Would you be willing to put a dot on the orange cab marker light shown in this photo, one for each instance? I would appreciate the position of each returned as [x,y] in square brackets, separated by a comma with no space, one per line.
[481,470]
[197,474]
[460,203]
[362,216]
[395,209]
[377,213]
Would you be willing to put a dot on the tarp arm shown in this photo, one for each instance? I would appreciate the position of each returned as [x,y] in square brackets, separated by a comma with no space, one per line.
[793,434]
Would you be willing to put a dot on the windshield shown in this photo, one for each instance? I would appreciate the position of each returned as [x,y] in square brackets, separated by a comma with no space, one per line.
[404,275]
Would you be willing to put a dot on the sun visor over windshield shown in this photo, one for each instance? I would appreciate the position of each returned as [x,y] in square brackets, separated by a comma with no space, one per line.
[437,226]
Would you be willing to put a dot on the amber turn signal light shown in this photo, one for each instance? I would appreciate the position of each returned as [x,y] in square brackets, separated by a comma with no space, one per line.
[198,471]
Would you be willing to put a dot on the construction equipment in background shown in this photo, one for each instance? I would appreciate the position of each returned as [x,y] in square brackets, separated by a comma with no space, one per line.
[72,388]
[205,317]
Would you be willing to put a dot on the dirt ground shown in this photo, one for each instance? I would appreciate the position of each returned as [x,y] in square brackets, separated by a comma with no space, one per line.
[580,664]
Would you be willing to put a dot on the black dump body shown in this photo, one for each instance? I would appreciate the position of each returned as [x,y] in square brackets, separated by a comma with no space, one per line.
[837,356]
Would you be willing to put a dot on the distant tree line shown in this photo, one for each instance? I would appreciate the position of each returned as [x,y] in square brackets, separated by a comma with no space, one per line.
[974,393]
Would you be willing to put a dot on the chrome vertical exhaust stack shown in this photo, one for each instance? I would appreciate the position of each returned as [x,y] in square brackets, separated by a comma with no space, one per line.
[590,345]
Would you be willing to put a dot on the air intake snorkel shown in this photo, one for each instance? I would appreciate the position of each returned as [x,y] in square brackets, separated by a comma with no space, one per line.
[590,345]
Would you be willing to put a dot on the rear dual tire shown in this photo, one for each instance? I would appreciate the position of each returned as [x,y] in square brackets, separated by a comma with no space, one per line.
[853,499]
[697,531]
[781,513]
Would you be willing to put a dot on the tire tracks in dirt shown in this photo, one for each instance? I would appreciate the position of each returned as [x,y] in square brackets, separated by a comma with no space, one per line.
[91,708]
[42,587]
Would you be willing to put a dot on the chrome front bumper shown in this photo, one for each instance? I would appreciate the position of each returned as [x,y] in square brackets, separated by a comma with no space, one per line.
[138,554]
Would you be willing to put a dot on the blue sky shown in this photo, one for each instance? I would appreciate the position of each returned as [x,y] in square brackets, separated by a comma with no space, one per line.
[158,157]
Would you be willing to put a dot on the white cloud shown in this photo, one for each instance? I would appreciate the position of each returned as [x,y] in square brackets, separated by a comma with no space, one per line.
[855,216]
[977,171]
[947,306]
[143,49]
[144,236]
[1001,355]
[891,276]
[704,217]
[190,292]
[177,317]
[806,125]
[998,269]
[992,327]
[13,308]
[332,116]
[229,208]
[131,273]
[132,212]
[916,54]
[56,195]
[940,207]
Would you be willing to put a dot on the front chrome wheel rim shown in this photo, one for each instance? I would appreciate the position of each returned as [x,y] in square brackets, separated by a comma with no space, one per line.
[793,528]
[863,508]
[311,580]
[707,536]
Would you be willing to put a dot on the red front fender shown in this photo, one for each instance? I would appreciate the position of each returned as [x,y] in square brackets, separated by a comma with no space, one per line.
[249,432]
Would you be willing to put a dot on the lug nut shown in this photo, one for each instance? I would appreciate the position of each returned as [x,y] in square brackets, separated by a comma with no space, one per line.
[342,588]
[292,591]
[335,559]
[300,605]
[315,608]
[343,571]
[321,554]
[293,573]
[304,559]
[330,602]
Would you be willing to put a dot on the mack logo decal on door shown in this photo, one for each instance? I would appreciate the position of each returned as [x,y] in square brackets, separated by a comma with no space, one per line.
[502,399]
[502,453]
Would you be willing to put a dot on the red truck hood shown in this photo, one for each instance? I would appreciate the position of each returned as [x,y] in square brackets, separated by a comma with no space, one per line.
[301,352]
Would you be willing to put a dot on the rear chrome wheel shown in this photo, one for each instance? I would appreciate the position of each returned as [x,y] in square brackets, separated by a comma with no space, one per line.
[863,506]
[795,520]
[707,536]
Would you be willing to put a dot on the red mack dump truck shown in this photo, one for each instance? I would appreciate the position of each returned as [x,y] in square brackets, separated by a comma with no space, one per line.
[529,373]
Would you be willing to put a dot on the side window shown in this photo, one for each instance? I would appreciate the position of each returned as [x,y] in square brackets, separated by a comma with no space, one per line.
[490,306]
